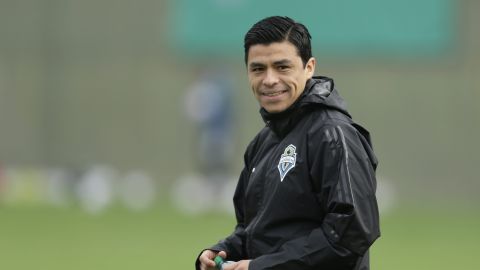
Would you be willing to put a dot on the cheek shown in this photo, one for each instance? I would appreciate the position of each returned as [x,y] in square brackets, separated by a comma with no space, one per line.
[254,84]
[293,82]
[250,81]
[299,82]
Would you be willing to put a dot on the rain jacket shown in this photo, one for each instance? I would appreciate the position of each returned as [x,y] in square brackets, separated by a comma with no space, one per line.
[306,196]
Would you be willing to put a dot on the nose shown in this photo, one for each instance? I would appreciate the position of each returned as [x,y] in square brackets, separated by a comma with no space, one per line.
[270,78]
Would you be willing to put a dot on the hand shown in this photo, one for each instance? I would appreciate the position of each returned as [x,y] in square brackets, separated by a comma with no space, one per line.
[240,265]
[206,259]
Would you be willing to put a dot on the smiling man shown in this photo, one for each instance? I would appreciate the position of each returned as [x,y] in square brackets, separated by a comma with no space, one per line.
[306,196]
[277,74]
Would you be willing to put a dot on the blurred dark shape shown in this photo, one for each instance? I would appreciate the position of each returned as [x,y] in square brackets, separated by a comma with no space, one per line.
[208,105]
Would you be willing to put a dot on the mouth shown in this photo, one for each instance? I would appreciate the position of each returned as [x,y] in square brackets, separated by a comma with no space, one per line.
[273,93]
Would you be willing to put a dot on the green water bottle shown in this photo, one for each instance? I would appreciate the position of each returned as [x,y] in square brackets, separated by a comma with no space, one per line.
[219,262]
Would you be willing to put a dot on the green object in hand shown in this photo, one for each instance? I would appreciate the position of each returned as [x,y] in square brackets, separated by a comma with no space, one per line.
[219,262]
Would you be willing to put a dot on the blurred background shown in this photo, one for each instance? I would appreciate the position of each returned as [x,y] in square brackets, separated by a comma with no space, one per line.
[123,125]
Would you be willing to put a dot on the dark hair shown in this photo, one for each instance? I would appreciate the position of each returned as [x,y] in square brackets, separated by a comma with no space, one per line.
[279,29]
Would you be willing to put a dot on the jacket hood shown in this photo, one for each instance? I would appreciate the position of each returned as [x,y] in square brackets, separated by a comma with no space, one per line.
[319,92]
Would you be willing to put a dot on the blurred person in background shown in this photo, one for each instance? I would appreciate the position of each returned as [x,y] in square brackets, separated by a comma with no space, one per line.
[306,196]
[208,104]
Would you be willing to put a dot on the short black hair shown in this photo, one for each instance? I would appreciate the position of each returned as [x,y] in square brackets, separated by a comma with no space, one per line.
[279,29]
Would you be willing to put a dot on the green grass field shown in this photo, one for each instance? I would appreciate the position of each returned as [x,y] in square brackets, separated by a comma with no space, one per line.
[33,237]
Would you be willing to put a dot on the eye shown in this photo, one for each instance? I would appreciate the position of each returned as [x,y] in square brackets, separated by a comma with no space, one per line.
[256,69]
[283,67]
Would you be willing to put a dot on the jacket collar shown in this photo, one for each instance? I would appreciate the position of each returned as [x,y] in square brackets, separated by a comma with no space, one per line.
[318,91]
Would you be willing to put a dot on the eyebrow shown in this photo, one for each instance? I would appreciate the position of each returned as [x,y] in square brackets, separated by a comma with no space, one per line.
[282,62]
[255,64]
[276,63]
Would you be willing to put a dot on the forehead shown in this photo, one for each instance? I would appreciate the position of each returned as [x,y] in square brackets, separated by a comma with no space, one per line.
[272,52]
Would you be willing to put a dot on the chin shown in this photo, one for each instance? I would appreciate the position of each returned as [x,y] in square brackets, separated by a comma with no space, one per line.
[274,109]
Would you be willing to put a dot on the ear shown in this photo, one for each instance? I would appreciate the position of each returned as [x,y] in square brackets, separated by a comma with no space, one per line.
[310,67]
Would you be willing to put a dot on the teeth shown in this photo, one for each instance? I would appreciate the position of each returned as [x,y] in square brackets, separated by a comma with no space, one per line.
[273,94]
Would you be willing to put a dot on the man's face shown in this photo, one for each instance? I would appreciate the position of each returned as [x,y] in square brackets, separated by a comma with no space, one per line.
[277,75]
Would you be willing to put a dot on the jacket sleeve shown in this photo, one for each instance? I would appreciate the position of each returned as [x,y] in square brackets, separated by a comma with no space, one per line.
[233,245]
[342,170]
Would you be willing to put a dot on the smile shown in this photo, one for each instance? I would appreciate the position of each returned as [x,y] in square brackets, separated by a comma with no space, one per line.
[274,94]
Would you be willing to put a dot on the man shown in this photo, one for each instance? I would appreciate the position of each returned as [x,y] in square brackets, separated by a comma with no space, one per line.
[306,196]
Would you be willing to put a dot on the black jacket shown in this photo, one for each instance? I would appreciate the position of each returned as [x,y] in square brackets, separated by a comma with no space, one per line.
[306,196]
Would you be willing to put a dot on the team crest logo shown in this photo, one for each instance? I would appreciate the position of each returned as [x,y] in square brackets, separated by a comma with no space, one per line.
[287,161]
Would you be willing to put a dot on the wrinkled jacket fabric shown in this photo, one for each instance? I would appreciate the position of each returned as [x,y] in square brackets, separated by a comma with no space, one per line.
[323,214]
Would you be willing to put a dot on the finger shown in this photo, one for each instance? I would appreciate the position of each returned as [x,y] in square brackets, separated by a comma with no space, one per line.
[230,266]
[208,263]
[206,258]
[204,266]
[222,254]
[210,254]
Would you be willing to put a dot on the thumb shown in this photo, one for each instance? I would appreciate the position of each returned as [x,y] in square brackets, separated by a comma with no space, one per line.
[222,254]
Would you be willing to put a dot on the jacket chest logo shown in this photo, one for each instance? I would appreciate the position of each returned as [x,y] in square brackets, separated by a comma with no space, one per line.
[287,161]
